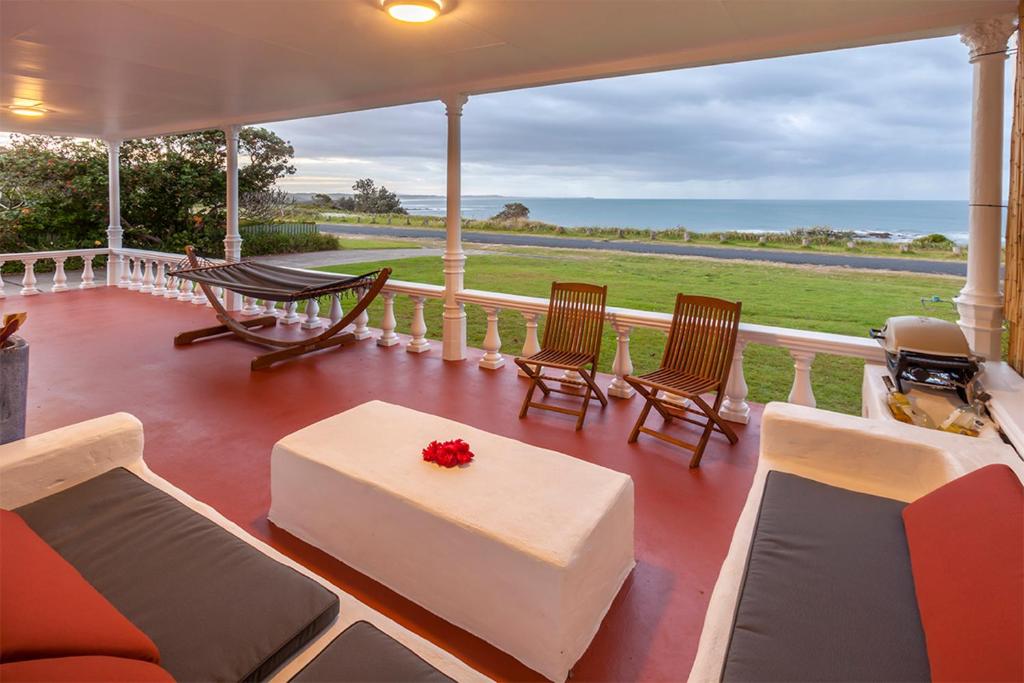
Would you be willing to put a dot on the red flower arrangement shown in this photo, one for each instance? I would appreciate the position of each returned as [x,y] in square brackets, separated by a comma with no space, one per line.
[448,453]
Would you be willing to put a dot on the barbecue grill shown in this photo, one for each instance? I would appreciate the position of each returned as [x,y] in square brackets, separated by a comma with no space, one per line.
[929,352]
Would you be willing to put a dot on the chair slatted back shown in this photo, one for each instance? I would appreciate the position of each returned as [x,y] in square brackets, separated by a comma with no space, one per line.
[703,336]
[575,318]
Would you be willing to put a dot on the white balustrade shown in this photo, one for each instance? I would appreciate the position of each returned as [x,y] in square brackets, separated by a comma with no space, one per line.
[362,329]
[622,365]
[147,276]
[387,325]
[60,278]
[734,407]
[531,344]
[291,315]
[3,284]
[88,278]
[270,308]
[198,295]
[802,393]
[492,359]
[160,281]
[28,280]
[337,312]
[137,277]
[250,307]
[312,321]
[173,287]
[185,290]
[125,281]
[218,294]
[418,343]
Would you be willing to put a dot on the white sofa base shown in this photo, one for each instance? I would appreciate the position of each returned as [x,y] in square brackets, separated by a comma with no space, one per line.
[42,465]
[893,460]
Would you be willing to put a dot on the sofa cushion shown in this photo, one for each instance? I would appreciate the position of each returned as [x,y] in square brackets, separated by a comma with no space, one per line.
[828,594]
[48,610]
[365,654]
[216,607]
[95,669]
[967,553]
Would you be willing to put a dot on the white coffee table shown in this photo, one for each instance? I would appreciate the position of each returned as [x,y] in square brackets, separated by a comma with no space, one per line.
[524,547]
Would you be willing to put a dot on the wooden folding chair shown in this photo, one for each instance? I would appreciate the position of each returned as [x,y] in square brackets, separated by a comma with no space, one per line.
[572,342]
[697,359]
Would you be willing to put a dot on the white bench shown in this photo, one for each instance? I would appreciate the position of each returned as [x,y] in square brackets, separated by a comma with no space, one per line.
[524,547]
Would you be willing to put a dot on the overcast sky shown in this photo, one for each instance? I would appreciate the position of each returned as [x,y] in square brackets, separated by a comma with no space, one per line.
[885,122]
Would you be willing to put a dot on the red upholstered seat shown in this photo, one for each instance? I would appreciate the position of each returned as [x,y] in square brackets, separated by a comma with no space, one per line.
[83,670]
[966,543]
[49,610]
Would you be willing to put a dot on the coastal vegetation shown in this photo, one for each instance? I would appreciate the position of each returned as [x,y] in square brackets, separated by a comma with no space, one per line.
[827,300]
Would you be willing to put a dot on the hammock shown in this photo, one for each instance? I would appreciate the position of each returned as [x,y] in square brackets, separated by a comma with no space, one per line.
[274,283]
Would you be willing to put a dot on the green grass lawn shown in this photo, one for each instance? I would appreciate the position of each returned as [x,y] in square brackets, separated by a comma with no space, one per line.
[828,300]
[357,243]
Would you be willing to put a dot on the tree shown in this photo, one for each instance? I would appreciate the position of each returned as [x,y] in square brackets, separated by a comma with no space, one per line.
[172,188]
[345,203]
[322,200]
[371,199]
[264,205]
[512,212]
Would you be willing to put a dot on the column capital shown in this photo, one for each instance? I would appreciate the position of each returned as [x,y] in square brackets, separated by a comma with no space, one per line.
[113,144]
[988,36]
[454,103]
[231,131]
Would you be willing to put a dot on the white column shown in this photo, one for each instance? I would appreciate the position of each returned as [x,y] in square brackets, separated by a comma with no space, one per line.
[387,325]
[980,302]
[492,359]
[418,343]
[622,364]
[735,407]
[530,344]
[454,316]
[60,278]
[802,393]
[28,280]
[115,234]
[232,239]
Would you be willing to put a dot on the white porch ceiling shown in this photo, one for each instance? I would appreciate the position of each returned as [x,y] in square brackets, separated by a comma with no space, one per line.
[130,68]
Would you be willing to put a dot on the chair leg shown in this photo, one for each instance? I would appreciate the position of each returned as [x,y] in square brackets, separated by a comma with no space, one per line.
[589,379]
[715,419]
[698,452]
[640,421]
[583,410]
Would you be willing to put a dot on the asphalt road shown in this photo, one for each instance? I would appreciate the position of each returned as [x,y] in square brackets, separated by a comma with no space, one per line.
[907,265]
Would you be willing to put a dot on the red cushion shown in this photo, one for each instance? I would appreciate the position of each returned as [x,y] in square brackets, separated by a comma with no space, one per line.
[966,544]
[49,610]
[83,670]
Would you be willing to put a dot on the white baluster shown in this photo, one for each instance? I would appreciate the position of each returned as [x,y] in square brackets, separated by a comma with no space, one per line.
[312,320]
[492,359]
[802,393]
[147,277]
[185,290]
[160,281]
[734,407]
[530,344]
[418,343]
[3,284]
[60,278]
[125,280]
[362,330]
[291,315]
[198,295]
[249,306]
[136,282]
[270,308]
[387,325]
[622,365]
[88,278]
[173,286]
[337,312]
[28,280]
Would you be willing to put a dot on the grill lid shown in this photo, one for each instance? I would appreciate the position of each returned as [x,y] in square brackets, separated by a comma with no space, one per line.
[923,335]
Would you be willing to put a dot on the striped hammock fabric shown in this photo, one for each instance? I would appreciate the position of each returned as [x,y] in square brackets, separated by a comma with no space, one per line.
[272,283]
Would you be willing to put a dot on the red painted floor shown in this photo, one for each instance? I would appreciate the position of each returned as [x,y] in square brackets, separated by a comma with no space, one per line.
[210,424]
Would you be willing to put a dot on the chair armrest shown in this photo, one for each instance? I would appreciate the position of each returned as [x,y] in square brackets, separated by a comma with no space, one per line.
[44,464]
[883,458]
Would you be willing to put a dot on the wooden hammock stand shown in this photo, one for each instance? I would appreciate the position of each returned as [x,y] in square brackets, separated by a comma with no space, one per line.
[278,284]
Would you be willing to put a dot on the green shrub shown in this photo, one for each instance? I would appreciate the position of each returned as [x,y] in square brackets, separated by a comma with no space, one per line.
[933,241]
[284,243]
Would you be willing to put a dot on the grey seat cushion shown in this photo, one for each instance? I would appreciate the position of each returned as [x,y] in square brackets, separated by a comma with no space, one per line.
[364,654]
[217,608]
[828,593]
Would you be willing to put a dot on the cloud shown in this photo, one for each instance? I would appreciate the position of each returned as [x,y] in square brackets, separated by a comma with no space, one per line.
[889,121]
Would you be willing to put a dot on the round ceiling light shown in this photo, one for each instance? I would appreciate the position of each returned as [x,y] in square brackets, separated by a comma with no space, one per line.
[412,11]
[26,109]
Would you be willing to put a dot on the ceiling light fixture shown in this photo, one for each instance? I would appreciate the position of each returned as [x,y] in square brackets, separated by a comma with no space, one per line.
[26,109]
[412,11]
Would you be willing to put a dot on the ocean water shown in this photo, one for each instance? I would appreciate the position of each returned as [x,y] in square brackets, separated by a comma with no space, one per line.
[900,219]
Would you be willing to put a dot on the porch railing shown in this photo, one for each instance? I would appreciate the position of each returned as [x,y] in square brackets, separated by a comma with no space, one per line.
[148,272]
